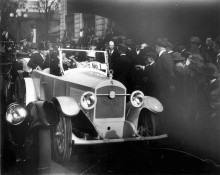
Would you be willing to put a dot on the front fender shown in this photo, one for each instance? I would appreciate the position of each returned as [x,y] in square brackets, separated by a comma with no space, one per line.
[82,123]
[67,105]
[31,94]
[41,113]
[150,103]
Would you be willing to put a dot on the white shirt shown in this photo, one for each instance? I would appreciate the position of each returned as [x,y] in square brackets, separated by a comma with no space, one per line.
[138,51]
[42,56]
[111,52]
[218,57]
[162,51]
[212,81]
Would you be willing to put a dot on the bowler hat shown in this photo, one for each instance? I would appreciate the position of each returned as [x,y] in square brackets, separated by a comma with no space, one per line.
[34,46]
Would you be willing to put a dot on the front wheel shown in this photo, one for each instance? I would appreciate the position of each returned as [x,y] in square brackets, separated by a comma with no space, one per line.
[62,139]
[146,123]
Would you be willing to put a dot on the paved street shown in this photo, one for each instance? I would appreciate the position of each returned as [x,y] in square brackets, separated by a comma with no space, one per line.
[130,158]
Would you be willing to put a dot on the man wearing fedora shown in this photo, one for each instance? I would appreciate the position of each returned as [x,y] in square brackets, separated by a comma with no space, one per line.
[164,69]
[37,60]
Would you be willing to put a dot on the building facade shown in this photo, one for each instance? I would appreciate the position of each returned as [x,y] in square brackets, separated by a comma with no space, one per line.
[71,23]
[36,19]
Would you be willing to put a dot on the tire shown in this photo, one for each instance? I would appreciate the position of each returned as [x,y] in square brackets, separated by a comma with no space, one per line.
[146,123]
[62,139]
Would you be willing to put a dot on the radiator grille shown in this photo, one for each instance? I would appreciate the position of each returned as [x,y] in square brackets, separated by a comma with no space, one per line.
[107,107]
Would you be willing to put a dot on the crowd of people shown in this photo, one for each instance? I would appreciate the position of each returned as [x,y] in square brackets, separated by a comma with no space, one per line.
[186,79]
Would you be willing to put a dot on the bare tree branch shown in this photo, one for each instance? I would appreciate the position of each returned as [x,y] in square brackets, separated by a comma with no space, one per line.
[47,8]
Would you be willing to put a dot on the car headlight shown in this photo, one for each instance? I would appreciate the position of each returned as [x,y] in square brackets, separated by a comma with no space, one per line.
[137,98]
[15,114]
[88,100]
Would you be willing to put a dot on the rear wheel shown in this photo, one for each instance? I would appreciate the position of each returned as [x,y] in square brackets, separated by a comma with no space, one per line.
[146,123]
[62,139]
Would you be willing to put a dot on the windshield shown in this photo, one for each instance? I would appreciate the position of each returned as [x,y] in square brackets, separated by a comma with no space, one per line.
[77,58]
[84,55]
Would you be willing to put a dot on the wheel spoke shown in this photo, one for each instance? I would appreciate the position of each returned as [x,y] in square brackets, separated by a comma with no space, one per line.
[62,139]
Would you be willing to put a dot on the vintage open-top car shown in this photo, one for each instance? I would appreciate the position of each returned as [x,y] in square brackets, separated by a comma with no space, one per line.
[83,106]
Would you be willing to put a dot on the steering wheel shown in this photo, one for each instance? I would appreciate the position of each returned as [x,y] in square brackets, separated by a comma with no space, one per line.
[95,65]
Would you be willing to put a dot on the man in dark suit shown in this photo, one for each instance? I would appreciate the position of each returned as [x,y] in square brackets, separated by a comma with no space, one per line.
[7,40]
[121,66]
[37,60]
[149,74]
[164,69]
[166,86]
[112,54]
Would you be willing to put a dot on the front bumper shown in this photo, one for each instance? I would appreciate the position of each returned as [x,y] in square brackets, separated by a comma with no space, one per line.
[79,141]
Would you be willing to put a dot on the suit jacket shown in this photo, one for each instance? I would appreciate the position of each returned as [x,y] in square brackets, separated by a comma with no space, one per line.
[165,73]
[37,60]
[138,58]
[150,84]
[112,57]
[121,69]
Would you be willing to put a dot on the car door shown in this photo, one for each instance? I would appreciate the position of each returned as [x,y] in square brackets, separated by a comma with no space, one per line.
[47,86]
